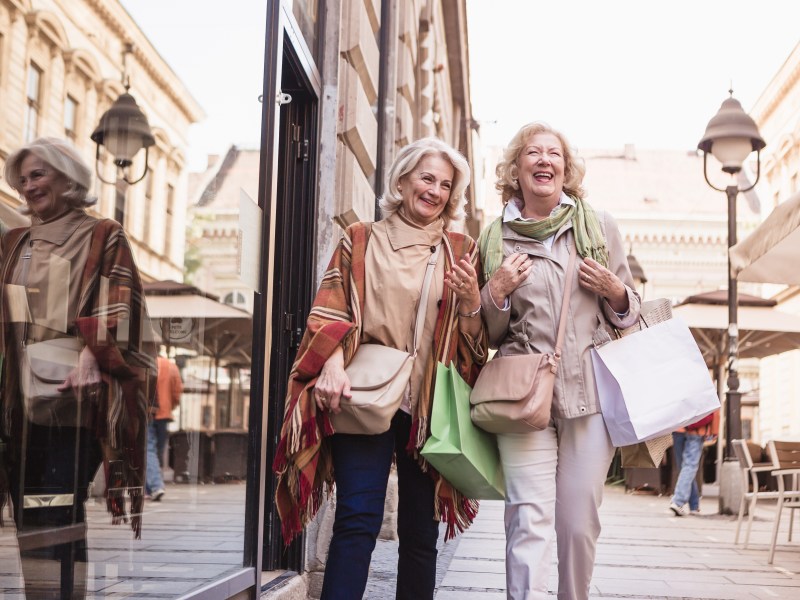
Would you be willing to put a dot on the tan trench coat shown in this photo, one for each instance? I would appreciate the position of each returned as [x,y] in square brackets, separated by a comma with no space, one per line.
[531,323]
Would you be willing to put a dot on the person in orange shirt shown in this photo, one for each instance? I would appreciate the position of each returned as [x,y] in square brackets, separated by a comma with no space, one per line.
[169,388]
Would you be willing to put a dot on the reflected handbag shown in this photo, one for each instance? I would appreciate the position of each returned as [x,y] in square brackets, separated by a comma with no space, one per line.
[379,376]
[463,454]
[43,368]
[514,394]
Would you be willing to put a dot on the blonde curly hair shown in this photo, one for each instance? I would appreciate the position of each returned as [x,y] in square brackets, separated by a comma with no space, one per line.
[507,183]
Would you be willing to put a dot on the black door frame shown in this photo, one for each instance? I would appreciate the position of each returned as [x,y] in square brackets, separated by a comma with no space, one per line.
[282,38]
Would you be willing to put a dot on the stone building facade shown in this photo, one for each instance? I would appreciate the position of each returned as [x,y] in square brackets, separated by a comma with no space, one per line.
[61,68]
[777,114]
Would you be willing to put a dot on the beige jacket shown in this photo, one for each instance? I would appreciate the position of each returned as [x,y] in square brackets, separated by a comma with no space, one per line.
[531,322]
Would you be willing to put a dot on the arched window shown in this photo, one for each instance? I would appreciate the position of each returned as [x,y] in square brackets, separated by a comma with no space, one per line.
[235,299]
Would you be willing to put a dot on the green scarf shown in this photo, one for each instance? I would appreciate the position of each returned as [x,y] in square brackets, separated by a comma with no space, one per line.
[586,230]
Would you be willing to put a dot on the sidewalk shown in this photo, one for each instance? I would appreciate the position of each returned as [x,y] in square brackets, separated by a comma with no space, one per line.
[644,551]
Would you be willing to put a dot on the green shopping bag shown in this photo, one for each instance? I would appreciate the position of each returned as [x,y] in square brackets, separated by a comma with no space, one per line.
[464,454]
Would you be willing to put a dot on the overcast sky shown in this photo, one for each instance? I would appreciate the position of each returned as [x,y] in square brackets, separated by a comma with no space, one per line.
[605,72]
[611,72]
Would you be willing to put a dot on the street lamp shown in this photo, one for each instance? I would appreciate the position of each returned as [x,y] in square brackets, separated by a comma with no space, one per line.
[731,135]
[123,130]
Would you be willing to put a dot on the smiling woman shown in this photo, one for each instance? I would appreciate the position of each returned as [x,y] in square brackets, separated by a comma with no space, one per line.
[77,366]
[526,255]
[385,261]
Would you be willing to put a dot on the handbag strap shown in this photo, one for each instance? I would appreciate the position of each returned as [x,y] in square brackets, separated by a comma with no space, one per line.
[562,321]
[423,298]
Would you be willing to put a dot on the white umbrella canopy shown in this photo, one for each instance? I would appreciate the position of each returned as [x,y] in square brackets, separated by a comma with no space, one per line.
[183,315]
[769,254]
[763,330]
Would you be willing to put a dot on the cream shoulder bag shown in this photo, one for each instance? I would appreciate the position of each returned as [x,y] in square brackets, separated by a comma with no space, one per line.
[379,376]
[514,394]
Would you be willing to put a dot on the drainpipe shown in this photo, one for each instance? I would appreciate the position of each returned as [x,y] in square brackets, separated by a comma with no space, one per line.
[387,84]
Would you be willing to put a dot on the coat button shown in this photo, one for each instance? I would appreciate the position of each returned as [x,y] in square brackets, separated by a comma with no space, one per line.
[517,248]
[583,409]
[433,249]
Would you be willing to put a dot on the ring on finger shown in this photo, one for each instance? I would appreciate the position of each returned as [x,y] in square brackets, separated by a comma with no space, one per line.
[461,285]
[521,268]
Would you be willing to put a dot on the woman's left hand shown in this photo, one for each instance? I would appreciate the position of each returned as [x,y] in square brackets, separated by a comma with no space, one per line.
[86,374]
[596,278]
[463,280]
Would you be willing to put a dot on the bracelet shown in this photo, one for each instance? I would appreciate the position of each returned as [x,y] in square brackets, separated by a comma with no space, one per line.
[471,314]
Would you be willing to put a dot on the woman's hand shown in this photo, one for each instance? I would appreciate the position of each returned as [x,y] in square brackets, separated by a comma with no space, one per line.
[596,278]
[463,280]
[515,269]
[85,375]
[332,383]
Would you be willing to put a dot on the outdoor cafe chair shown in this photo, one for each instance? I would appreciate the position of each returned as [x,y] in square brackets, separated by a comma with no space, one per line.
[786,457]
[750,488]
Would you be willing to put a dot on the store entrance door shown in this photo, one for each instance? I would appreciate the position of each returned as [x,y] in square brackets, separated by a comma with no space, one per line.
[294,272]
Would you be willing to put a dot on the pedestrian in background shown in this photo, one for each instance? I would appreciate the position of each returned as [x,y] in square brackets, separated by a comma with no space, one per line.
[554,477]
[370,294]
[169,388]
[687,447]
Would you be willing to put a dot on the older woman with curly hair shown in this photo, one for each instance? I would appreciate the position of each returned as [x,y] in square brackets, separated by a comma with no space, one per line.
[370,294]
[77,368]
[555,476]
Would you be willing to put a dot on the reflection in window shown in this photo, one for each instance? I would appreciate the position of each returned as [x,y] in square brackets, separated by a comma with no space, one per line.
[33,93]
[70,112]
[168,220]
[235,299]
[307,14]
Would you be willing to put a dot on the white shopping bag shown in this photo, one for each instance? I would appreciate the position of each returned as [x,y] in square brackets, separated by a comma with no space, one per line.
[652,382]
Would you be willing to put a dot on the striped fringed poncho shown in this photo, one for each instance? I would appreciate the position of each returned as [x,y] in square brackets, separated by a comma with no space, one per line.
[112,321]
[303,461]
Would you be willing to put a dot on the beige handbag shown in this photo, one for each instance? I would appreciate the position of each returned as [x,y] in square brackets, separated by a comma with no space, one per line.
[43,368]
[514,394]
[379,376]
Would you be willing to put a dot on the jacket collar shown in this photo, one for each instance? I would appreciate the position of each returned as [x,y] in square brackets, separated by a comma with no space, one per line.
[59,230]
[403,233]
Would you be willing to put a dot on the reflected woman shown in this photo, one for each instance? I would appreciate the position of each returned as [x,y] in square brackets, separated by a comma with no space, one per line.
[77,370]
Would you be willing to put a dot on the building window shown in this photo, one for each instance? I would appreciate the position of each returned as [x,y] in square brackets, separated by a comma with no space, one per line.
[70,117]
[149,191]
[33,106]
[235,299]
[119,202]
[168,220]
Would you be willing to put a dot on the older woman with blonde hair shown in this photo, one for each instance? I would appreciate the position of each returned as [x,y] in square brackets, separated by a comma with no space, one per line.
[71,306]
[370,294]
[554,476]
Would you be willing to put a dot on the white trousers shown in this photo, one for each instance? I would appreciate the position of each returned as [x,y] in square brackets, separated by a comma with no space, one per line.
[554,488]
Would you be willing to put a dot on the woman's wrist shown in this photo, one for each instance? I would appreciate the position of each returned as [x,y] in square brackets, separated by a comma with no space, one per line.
[469,314]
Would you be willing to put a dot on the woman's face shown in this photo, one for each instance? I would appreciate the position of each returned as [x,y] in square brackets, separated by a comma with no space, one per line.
[42,187]
[541,166]
[426,189]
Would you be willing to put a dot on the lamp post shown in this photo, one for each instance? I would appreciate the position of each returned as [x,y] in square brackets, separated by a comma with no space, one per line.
[731,136]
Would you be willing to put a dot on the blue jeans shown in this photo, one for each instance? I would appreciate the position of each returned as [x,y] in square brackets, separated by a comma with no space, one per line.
[154,481]
[160,426]
[688,449]
[361,465]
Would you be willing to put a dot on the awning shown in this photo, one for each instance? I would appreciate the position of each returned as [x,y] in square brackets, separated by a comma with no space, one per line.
[763,330]
[185,316]
[770,253]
